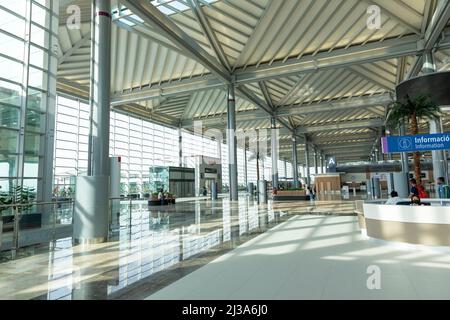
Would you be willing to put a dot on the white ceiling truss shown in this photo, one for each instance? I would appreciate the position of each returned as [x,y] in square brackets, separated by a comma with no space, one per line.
[312,64]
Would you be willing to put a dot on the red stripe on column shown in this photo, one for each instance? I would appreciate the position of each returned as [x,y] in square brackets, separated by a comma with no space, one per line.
[103,13]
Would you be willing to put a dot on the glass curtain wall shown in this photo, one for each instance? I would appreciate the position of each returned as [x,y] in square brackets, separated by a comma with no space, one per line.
[28,63]
[140,144]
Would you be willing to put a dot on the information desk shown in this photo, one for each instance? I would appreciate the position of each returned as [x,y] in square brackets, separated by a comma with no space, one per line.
[424,225]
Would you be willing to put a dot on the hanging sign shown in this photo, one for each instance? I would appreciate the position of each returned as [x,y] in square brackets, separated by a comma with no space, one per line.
[422,142]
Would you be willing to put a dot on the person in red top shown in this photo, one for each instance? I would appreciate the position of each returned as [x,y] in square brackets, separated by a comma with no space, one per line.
[422,192]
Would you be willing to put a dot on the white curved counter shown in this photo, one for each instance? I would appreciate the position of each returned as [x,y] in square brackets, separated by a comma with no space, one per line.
[424,225]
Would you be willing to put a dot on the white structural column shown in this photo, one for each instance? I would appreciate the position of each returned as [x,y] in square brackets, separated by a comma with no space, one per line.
[307,165]
[321,162]
[91,215]
[274,152]
[180,148]
[316,166]
[429,66]
[245,167]
[438,156]
[404,155]
[324,163]
[101,89]
[232,144]
[295,161]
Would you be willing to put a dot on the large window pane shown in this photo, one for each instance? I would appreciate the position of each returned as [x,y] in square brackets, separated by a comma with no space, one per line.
[9,116]
[8,142]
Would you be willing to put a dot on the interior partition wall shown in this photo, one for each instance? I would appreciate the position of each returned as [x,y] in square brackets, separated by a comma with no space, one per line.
[28,63]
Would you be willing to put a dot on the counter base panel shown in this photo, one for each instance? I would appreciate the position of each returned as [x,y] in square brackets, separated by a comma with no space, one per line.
[415,233]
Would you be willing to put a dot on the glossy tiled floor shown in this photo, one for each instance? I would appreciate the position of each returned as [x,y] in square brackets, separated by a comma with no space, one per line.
[316,257]
[152,249]
[243,250]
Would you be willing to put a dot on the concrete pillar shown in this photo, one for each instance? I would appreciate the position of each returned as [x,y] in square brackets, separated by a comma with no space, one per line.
[232,144]
[274,152]
[307,165]
[295,162]
[91,214]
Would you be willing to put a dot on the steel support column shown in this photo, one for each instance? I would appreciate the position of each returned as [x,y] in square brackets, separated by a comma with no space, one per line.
[232,144]
[245,167]
[101,89]
[404,155]
[180,148]
[438,156]
[285,171]
[274,153]
[295,162]
[316,166]
[307,165]
[91,215]
[324,164]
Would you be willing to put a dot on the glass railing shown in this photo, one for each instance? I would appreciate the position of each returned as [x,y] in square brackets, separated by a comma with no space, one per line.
[23,226]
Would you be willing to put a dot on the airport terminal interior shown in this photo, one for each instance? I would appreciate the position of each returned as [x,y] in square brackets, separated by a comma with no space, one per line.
[224,149]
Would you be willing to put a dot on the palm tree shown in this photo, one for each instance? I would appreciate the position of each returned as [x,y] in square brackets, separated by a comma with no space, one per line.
[412,111]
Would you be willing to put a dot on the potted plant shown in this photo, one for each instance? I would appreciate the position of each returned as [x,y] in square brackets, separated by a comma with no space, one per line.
[412,111]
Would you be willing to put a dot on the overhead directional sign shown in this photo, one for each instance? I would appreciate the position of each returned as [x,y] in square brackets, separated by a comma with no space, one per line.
[331,164]
[423,142]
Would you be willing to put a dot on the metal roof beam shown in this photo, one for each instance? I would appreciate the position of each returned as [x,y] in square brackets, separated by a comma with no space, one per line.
[250,96]
[77,45]
[371,52]
[354,124]
[250,115]
[266,94]
[158,20]
[209,33]
[345,104]
[173,88]
[437,25]
[394,16]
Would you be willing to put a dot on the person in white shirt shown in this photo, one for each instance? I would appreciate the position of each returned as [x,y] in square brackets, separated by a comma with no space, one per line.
[393,199]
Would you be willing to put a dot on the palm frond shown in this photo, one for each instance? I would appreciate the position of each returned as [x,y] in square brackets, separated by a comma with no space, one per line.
[422,106]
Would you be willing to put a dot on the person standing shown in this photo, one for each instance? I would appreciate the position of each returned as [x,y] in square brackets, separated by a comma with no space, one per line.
[161,196]
[414,191]
[443,189]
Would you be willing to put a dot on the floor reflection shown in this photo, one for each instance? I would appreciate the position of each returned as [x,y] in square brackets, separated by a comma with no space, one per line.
[148,249]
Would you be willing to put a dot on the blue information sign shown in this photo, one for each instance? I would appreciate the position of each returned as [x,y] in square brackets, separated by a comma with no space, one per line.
[423,142]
